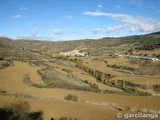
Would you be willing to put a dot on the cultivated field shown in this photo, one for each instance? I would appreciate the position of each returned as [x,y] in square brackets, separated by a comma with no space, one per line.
[95,86]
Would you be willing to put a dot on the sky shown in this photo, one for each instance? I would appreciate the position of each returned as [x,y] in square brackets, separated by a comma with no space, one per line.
[58,20]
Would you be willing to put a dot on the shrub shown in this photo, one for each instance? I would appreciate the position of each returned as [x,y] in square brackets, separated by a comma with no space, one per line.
[95,86]
[71,98]
[4,64]
[156,88]
[19,111]
[86,82]
[92,85]
[35,116]
[61,57]
[66,70]
[65,118]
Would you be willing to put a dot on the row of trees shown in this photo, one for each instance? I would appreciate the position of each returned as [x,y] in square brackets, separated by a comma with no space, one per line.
[99,75]
[105,78]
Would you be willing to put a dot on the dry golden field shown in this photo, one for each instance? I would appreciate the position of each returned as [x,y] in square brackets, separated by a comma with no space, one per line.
[90,105]
[94,86]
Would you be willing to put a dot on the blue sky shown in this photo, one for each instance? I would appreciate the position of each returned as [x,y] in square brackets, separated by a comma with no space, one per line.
[77,19]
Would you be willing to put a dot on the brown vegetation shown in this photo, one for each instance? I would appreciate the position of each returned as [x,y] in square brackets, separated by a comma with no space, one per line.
[99,84]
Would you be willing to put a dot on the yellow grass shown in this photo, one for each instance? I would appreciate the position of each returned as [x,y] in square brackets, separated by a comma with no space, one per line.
[101,66]
[139,79]
[149,52]
[52,102]
[121,62]
[83,75]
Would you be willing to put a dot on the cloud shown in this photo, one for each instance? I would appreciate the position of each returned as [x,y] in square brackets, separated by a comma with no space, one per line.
[124,27]
[34,32]
[137,3]
[18,16]
[118,28]
[133,23]
[23,8]
[58,31]
[96,13]
[68,17]
[35,38]
[100,6]
[118,6]
[96,30]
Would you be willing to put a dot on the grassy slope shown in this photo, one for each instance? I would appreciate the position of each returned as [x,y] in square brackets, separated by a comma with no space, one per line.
[90,105]
[94,47]
[51,101]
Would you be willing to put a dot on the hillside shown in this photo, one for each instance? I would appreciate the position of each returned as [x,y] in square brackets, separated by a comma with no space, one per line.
[95,47]
[81,79]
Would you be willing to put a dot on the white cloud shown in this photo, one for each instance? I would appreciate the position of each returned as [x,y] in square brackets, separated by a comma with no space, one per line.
[96,13]
[134,23]
[137,3]
[118,6]
[58,31]
[118,28]
[18,17]
[100,6]
[35,38]
[34,32]
[96,30]
[124,27]
[68,16]
[23,8]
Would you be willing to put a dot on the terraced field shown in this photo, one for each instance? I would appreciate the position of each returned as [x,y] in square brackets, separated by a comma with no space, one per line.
[90,105]
[97,86]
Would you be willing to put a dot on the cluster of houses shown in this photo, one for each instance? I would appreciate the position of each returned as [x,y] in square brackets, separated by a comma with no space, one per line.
[74,53]
[138,57]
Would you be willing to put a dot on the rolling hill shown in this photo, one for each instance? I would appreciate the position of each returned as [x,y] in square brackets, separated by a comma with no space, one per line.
[116,75]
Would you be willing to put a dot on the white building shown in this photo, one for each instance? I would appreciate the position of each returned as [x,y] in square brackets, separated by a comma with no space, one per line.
[73,53]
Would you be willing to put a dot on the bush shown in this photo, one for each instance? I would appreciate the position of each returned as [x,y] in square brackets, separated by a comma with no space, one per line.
[66,70]
[35,116]
[19,111]
[156,88]
[65,118]
[71,98]
[61,57]
[95,86]
[86,82]
[4,64]
[19,108]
